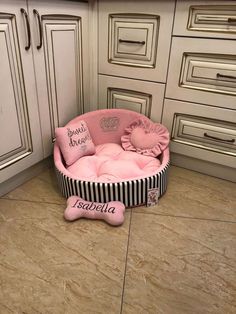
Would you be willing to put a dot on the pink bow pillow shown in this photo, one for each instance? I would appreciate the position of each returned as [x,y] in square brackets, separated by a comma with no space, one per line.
[74,141]
[145,137]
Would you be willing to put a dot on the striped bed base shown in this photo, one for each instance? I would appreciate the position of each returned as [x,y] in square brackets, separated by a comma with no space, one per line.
[131,193]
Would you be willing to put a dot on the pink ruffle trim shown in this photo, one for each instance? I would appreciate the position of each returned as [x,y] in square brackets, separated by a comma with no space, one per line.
[162,137]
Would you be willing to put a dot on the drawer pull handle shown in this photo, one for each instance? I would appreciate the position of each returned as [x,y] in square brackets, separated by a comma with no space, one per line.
[40,29]
[218,75]
[137,42]
[219,139]
[27,47]
[231,20]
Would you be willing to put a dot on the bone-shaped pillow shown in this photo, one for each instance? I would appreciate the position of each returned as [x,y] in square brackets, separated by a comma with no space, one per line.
[112,212]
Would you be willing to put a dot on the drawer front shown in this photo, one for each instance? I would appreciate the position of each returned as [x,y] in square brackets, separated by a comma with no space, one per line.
[127,99]
[209,72]
[145,98]
[199,131]
[134,40]
[205,133]
[203,72]
[208,19]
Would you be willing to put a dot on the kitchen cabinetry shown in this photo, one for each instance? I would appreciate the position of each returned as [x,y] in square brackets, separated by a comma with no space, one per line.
[134,43]
[200,105]
[20,143]
[60,48]
[43,77]
[173,61]
[146,97]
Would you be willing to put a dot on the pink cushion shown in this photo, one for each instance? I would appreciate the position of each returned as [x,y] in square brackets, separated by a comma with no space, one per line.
[111,163]
[145,137]
[74,141]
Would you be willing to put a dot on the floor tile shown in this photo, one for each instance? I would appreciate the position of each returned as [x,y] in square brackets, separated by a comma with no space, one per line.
[51,266]
[191,194]
[180,266]
[42,188]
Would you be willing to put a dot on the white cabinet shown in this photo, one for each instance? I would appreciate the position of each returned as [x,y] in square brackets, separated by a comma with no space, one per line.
[143,97]
[204,71]
[203,138]
[201,131]
[43,77]
[60,48]
[20,137]
[134,38]
[133,51]
[200,103]
[197,18]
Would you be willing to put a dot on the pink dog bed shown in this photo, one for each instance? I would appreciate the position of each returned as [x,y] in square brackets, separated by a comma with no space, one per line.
[111,173]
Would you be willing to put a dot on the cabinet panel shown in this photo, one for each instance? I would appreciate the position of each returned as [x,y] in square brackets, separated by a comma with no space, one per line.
[205,19]
[130,100]
[214,135]
[15,135]
[135,44]
[201,132]
[203,72]
[145,98]
[61,70]
[211,72]
[62,42]
[20,136]
[133,39]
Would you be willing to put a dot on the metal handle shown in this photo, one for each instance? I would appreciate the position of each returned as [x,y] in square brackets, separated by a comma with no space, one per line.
[27,47]
[231,20]
[40,29]
[137,42]
[225,76]
[219,139]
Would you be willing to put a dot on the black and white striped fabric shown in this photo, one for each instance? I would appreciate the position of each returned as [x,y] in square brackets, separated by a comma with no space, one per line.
[131,193]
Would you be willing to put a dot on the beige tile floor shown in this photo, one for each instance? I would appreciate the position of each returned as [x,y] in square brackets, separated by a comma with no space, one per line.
[175,258]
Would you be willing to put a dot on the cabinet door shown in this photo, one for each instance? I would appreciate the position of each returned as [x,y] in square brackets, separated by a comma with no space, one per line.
[134,38]
[203,71]
[20,137]
[197,18]
[199,131]
[143,97]
[60,51]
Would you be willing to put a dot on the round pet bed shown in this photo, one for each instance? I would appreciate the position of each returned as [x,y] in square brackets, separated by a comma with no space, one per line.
[106,128]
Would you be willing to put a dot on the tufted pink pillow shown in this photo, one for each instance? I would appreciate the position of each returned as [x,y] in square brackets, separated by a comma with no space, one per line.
[145,137]
[74,141]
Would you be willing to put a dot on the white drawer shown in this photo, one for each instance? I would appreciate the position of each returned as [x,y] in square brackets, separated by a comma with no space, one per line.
[203,71]
[134,39]
[201,132]
[205,19]
[143,97]
[207,133]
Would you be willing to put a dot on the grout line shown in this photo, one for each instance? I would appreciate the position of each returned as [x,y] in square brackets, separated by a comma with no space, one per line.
[126,258]
[29,201]
[186,217]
